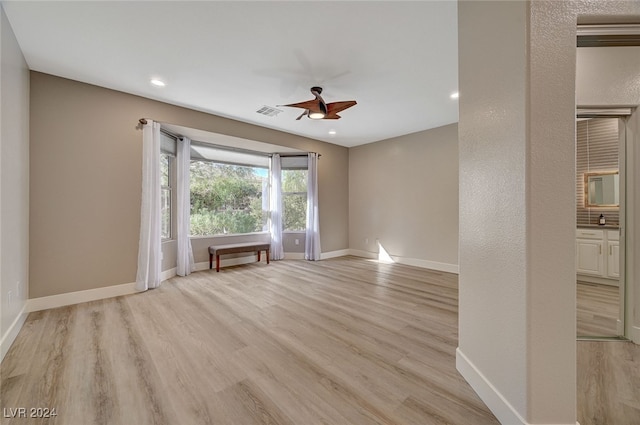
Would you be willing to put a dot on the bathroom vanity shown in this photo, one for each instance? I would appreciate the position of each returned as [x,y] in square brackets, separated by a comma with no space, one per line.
[598,254]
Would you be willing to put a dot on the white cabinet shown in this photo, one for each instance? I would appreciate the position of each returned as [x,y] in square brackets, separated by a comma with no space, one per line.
[598,253]
[613,254]
[589,246]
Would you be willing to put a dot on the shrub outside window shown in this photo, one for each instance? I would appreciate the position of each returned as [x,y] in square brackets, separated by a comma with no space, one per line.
[165,195]
[227,199]
[294,200]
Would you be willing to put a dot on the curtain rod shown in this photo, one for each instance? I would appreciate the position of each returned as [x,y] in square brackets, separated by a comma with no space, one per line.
[143,121]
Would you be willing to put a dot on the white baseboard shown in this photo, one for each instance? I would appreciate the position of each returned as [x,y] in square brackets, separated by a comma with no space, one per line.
[294,255]
[77,297]
[363,254]
[167,274]
[11,333]
[333,254]
[70,298]
[425,264]
[501,408]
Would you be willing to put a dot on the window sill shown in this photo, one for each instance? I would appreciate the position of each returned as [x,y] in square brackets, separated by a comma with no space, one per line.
[228,235]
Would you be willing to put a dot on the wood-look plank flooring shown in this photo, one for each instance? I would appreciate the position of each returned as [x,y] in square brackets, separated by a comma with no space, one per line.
[344,341]
[598,309]
[608,383]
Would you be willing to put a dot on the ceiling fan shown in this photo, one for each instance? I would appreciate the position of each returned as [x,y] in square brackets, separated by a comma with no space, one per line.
[317,109]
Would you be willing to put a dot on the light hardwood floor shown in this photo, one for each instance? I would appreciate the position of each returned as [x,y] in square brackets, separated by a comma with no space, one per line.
[608,383]
[344,341]
[598,308]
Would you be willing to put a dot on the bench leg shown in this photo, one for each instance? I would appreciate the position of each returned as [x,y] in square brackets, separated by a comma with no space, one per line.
[267,251]
[210,261]
[259,256]
[217,262]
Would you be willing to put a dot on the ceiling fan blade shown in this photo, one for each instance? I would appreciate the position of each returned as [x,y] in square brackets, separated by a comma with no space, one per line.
[335,107]
[318,109]
[311,105]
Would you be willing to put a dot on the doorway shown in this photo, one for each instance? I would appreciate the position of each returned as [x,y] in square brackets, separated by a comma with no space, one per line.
[600,214]
[607,63]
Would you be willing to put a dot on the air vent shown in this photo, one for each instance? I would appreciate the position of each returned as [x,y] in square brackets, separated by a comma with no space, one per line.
[268,111]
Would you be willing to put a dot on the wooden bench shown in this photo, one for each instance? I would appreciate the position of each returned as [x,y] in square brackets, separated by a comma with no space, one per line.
[234,248]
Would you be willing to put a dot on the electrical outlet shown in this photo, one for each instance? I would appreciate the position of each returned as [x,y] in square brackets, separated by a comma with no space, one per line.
[366,241]
[297,241]
[9,298]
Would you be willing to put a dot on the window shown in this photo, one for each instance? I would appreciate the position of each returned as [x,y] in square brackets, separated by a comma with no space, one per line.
[165,195]
[229,190]
[167,164]
[294,200]
[227,198]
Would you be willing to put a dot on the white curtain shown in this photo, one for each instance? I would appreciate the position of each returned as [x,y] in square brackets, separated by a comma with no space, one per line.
[312,243]
[149,249]
[275,207]
[184,263]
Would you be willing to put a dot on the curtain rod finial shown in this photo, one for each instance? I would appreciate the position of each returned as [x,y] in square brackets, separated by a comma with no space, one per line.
[142,121]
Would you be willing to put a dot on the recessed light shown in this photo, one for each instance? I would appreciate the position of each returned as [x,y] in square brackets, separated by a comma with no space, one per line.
[157,82]
[332,132]
[455,95]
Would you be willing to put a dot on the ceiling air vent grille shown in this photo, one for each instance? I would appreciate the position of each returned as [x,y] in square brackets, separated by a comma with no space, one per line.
[268,111]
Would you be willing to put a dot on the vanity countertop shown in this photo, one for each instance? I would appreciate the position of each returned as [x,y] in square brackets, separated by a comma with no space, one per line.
[597,226]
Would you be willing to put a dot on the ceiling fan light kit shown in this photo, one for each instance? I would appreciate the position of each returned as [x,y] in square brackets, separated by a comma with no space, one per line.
[318,109]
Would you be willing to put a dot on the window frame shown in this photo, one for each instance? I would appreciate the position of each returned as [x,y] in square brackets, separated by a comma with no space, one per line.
[168,147]
[219,235]
[284,194]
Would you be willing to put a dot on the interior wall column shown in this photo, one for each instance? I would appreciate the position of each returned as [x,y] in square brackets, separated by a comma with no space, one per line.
[517,214]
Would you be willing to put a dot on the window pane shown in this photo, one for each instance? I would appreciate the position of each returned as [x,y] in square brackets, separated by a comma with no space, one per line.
[227,198]
[295,211]
[164,170]
[294,200]
[294,181]
[165,196]
[165,212]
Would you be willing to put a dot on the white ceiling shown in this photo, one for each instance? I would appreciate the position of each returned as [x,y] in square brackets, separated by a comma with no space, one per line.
[398,60]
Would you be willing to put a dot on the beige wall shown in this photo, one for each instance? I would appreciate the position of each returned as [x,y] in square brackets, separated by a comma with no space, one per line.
[86,177]
[14,185]
[404,192]
[607,76]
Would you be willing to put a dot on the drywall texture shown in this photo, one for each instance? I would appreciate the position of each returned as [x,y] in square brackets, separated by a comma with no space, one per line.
[86,177]
[493,195]
[607,74]
[404,193]
[517,211]
[14,180]
[597,144]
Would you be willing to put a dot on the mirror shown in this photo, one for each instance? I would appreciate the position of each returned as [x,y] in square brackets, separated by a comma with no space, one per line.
[601,189]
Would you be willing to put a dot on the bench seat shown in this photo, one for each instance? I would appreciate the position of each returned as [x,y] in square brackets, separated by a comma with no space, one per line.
[234,248]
